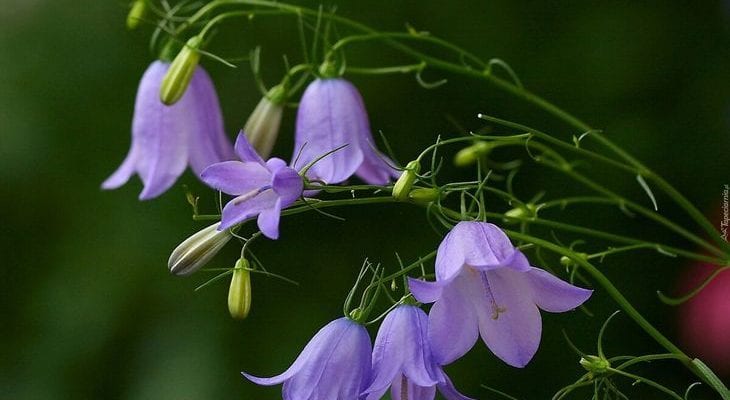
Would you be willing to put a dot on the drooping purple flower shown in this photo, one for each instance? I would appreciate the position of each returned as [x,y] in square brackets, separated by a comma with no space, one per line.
[332,114]
[165,139]
[402,360]
[334,365]
[485,286]
[261,188]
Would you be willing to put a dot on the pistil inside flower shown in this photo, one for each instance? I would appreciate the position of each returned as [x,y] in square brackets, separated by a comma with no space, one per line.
[496,309]
[250,195]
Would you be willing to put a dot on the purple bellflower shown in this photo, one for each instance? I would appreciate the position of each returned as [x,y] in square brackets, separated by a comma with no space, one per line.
[261,188]
[334,365]
[165,139]
[485,286]
[331,115]
[402,360]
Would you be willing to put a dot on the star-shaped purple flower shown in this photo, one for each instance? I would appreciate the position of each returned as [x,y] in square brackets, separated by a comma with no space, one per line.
[402,360]
[261,188]
[331,115]
[334,365]
[165,139]
[485,286]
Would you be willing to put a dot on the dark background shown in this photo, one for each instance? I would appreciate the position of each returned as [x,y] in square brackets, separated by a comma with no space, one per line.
[89,309]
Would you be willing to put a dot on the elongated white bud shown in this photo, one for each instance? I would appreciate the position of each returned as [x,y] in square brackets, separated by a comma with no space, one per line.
[197,250]
[262,127]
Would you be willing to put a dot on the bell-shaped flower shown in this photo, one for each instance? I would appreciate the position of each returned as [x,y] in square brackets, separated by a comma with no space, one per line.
[485,286]
[402,360]
[334,365]
[165,139]
[261,188]
[332,115]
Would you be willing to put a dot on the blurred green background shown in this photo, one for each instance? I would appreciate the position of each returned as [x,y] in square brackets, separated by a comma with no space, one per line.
[89,310]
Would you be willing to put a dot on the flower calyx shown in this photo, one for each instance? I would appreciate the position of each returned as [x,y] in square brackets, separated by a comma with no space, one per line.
[595,365]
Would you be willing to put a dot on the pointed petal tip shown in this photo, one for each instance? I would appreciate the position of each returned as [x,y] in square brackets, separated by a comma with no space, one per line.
[423,291]
[274,380]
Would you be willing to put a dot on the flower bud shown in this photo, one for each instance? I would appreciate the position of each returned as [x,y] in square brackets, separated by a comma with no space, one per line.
[469,155]
[262,127]
[424,195]
[197,250]
[594,364]
[181,71]
[568,262]
[403,185]
[239,293]
[518,214]
[136,14]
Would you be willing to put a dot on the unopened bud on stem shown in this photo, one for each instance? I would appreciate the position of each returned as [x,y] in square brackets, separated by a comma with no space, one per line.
[595,365]
[262,127]
[405,182]
[469,155]
[197,250]
[181,71]
[136,14]
[239,293]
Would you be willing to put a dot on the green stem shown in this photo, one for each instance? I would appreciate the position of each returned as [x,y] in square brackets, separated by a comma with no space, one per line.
[682,201]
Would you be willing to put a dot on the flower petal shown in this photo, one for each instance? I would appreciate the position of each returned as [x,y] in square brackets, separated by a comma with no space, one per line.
[288,184]
[412,391]
[245,150]
[453,322]
[375,168]
[389,352]
[338,371]
[235,177]
[161,133]
[268,221]
[208,143]
[423,291]
[123,173]
[448,390]
[331,115]
[509,321]
[320,343]
[554,295]
[418,366]
[247,206]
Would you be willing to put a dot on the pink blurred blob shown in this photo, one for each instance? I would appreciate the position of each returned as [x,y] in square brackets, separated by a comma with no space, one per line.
[704,320]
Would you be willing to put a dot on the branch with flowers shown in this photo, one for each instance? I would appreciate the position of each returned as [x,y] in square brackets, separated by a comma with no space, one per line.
[479,283]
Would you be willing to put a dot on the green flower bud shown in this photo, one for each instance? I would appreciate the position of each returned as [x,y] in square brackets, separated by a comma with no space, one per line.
[197,250]
[262,127]
[328,69]
[595,365]
[181,71]
[424,195]
[518,214]
[469,155]
[136,14]
[405,182]
[239,293]
[568,262]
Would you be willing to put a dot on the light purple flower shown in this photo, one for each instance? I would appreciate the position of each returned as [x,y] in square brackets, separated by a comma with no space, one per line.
[334,365]
[261,188]
[402,360]
[165,139]
[332,114]
[484,286]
